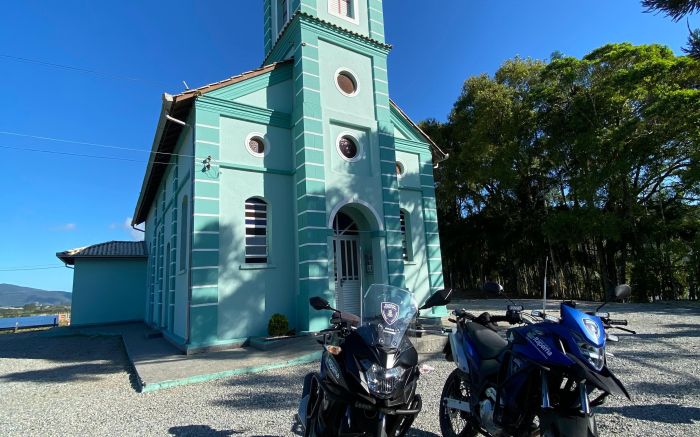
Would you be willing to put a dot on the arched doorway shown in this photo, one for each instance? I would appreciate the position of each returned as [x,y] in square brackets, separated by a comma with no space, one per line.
[347,271]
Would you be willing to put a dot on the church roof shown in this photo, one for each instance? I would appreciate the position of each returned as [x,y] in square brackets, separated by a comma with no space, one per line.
[174,108]
[110,249]
[438,154]
[177,107]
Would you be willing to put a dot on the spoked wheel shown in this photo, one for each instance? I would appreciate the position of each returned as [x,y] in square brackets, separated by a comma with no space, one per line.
[456,422]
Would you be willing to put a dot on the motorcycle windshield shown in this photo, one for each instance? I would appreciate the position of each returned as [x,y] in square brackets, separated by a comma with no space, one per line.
[387,311]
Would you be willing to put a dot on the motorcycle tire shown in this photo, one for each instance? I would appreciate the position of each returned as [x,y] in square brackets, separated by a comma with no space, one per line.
[456,423]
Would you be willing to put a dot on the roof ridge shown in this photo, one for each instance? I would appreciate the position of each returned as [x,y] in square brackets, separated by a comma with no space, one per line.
[237,76]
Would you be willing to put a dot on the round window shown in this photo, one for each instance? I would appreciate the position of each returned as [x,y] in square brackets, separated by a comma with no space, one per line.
[346,83]
[347,148]
[256,145]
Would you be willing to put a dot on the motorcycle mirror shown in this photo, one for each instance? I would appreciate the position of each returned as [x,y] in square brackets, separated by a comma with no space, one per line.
[622,291]
[440,297]
[319,303]
[493,287]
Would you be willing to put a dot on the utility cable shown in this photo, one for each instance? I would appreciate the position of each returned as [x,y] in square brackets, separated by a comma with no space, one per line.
[81,70]
[84,143]
[32,268]
[56,152]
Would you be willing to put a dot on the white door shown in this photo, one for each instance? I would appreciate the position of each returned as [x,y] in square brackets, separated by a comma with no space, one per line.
[348,284]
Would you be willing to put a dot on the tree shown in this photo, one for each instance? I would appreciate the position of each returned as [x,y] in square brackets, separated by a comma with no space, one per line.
[592,162]
[677,9]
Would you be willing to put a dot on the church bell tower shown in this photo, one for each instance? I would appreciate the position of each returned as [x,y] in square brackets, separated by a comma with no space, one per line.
[342,135]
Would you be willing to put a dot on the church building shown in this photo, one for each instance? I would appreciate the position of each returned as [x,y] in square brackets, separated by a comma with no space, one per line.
[297,179]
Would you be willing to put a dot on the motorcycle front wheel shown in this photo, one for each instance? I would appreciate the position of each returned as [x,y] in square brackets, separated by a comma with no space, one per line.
[453,422]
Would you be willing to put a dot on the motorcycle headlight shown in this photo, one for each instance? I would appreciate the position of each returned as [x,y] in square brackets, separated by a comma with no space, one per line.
[595,355]
[380,381]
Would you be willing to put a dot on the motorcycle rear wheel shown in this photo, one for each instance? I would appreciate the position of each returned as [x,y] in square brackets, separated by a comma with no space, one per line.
[456,423]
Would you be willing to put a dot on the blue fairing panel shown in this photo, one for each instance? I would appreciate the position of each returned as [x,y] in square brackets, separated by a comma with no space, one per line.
[540,343]
[590,326]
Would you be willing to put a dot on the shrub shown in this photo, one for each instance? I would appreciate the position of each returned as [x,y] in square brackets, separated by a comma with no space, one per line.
[278,325]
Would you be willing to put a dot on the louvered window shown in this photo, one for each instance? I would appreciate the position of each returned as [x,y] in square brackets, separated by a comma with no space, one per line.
[255,231]
[405,236]
[343,8]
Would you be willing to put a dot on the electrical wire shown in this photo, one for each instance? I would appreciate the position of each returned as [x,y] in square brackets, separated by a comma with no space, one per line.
[84,143]
[32,268]
[82,155]
[81,70]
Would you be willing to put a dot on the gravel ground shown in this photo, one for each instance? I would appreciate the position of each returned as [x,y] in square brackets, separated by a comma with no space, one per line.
[82,386]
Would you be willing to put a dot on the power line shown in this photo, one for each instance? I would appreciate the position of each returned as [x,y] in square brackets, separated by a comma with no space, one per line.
[81,70]
[84,143]
[56,152]
[32,268]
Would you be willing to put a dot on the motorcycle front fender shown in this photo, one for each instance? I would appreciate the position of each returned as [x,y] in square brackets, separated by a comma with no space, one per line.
[552,423]
[604,380]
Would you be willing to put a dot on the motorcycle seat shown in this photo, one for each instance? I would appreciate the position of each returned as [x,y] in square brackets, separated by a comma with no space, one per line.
[488,344]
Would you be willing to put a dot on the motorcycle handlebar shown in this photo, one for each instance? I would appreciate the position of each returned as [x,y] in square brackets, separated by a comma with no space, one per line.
[464,313]
[617,322]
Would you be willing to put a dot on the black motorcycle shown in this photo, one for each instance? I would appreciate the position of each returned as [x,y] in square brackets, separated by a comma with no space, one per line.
[369,368]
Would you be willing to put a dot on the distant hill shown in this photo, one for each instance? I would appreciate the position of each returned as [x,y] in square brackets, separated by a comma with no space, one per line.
[16,296]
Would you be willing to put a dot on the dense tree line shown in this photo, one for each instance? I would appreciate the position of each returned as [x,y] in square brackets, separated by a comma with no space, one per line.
[591,163]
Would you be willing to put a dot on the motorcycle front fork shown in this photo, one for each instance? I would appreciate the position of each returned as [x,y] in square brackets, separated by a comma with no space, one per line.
[381,425]
[582,392]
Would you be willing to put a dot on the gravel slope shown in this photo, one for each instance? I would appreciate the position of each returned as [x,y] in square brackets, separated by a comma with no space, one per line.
[82,386]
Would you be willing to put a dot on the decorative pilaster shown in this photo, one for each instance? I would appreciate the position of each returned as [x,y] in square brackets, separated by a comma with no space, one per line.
[204,305]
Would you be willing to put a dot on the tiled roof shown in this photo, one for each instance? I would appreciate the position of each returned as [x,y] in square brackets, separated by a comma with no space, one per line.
[168,134]
[230,81]
[110,249]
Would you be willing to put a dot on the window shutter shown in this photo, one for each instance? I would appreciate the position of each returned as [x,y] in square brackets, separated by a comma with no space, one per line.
[255,231]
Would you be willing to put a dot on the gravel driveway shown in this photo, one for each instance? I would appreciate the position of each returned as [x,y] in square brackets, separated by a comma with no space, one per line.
[82,386]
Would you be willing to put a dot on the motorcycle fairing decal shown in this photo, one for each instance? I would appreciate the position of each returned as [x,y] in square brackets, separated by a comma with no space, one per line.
[390,312]
[542,347]
[582,323]
[592,327]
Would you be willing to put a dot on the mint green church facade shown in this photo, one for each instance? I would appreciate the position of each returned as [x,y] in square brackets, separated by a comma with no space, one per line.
[297,179]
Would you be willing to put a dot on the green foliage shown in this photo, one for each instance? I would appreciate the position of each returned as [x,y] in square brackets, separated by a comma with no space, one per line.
[693,47]
[676,9]
[278,325]
[592,162]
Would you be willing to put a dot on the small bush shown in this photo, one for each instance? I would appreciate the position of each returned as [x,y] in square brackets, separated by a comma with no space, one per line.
[279,325]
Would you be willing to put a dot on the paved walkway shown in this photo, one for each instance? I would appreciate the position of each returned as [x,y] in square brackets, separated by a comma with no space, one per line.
[159,364]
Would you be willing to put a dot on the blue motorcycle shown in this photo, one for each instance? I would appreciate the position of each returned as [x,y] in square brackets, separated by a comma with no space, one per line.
[544,379]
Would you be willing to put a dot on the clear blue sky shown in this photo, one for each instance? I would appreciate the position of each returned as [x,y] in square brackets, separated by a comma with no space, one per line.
[55,202]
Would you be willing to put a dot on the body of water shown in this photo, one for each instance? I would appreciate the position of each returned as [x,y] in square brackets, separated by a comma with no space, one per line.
[27,322]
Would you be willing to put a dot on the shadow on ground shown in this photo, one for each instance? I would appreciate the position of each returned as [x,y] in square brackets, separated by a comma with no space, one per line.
[665,413]
[200,431]
[72,358]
